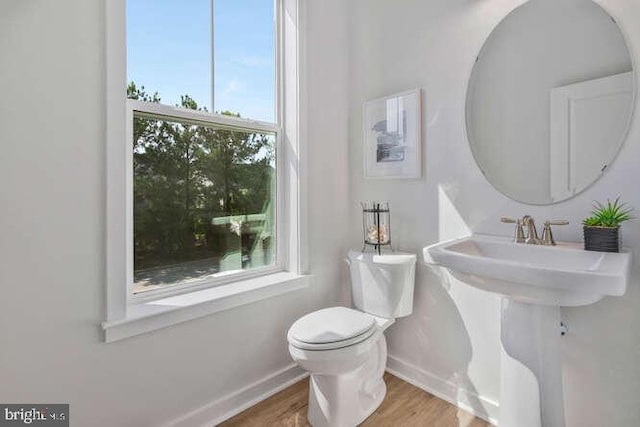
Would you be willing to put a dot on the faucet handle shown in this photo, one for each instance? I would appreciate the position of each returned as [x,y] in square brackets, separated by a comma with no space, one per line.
[519,233]
[547,235]
[557,222]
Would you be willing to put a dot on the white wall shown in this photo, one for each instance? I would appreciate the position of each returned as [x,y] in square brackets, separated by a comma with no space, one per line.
[453,333]
[52,199]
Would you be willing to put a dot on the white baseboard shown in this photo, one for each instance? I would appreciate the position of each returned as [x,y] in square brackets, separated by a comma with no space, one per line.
[220,410]
[217,411]
[469,401]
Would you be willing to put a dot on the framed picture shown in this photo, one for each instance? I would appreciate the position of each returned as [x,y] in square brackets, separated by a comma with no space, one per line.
[392,138]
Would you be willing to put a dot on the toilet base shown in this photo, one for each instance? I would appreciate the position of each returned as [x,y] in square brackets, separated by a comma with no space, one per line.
[347,399]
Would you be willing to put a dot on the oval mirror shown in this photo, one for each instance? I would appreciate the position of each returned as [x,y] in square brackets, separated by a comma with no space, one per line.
[550,100]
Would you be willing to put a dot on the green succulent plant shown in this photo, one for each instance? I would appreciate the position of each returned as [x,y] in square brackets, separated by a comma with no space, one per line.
[608,215]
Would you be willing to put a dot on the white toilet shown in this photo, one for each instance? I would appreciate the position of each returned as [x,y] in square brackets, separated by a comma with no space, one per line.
[344,349]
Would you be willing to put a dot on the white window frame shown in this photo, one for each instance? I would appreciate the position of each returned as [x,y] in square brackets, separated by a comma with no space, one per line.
[128,315]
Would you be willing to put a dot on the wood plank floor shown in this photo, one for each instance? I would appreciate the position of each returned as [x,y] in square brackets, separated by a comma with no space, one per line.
[404,405]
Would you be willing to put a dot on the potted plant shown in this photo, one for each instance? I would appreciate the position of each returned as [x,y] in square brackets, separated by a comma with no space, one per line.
[602,228]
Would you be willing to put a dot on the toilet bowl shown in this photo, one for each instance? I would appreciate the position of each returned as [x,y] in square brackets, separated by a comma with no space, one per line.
[344,349]
[346,368]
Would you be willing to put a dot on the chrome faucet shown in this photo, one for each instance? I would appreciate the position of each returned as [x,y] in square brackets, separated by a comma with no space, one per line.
[531,236]
[532,232]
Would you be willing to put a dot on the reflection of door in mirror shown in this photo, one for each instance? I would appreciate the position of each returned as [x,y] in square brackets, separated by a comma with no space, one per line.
[587,121]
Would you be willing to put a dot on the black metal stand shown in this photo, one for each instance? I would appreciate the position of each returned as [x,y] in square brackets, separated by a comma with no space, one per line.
[376,226]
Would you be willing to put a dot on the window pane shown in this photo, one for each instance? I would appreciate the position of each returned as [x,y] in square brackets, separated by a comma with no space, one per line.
[169,49]
[244,52]
[204,201]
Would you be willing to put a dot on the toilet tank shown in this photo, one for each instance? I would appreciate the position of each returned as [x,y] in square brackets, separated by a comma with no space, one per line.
[382,285]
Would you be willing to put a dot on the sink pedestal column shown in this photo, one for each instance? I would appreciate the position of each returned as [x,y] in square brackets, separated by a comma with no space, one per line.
[531,371]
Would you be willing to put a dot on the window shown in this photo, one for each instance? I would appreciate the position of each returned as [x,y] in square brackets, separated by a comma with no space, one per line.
[219,53]
[203,158]
[204,199]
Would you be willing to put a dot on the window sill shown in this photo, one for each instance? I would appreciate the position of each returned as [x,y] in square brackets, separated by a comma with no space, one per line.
[160,313]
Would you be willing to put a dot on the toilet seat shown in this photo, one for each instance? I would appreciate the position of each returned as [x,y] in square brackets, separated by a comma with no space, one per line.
[331,328]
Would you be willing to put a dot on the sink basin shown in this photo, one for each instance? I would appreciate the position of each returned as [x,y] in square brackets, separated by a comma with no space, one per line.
[534,282]
[562,275]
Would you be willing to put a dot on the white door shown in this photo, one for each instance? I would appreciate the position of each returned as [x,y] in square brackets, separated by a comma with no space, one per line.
[588,121]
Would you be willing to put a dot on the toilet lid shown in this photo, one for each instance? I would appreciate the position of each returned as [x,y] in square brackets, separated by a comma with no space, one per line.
[332,325]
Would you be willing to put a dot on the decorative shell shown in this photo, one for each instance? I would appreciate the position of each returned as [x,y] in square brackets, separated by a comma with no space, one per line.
[372,234]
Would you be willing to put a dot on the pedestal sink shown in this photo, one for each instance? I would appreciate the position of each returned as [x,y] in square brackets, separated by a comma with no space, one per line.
[534,282]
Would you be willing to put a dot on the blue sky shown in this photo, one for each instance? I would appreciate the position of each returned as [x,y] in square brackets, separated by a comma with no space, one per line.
[169,51]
